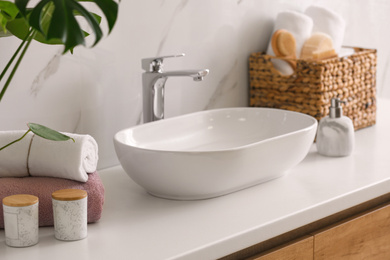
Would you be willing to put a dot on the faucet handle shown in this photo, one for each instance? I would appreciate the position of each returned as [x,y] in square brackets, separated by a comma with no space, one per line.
[155,64]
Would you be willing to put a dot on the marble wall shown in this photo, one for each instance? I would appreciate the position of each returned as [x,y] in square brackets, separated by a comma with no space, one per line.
[98,91]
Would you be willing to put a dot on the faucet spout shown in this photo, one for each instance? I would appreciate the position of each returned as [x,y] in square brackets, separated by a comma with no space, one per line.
[154,88]
[195,74]
[153,85]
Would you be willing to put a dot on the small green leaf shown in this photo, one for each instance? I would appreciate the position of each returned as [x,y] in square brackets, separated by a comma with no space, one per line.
[48,133]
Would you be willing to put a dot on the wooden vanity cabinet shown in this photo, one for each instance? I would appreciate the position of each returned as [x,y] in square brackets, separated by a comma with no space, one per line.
[301,249]
[363,235]
[366,236]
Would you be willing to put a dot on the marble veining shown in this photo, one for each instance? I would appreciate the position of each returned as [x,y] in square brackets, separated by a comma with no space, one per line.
[21,225]
[70,219]
[50,69]
[335,137]
[226,84]
[182,4]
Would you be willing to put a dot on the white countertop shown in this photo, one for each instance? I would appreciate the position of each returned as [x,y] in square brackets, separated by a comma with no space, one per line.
[136,225]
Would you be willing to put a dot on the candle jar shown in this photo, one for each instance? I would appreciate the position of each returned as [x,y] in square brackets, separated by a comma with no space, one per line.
[70,214]
[21,220]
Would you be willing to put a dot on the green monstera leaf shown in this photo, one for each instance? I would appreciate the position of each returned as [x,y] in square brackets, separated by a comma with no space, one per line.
[49,22]
[57,20]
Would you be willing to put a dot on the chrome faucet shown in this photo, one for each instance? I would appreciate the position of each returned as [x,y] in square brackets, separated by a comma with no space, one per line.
[153,84]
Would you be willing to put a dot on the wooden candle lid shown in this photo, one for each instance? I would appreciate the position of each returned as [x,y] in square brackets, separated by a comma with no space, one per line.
[69,194]
[20,200]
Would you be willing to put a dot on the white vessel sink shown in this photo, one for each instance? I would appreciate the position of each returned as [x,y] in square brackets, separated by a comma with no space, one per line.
[215,152]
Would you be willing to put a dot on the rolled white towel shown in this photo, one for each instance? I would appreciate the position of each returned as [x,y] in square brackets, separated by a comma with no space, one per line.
[300,26]
[36,156]
[13,159]
[327,21]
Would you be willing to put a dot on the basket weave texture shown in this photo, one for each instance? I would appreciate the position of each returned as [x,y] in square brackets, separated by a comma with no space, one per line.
[314,83]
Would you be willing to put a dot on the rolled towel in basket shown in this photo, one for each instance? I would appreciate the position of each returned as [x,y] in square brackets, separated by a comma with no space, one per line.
[300,26]
[329,22]
[43,187]
[36,156]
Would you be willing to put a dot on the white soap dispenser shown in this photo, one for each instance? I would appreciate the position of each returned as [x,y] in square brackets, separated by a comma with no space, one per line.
[335,135]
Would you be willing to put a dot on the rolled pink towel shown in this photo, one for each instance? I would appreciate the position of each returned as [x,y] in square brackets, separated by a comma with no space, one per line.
[43,187]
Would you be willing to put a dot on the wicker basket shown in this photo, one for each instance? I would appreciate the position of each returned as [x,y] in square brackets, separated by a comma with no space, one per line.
[314,83]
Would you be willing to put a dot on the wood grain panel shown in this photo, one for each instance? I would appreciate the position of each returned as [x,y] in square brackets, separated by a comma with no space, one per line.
[308,229]
[297,250]
[366,236]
